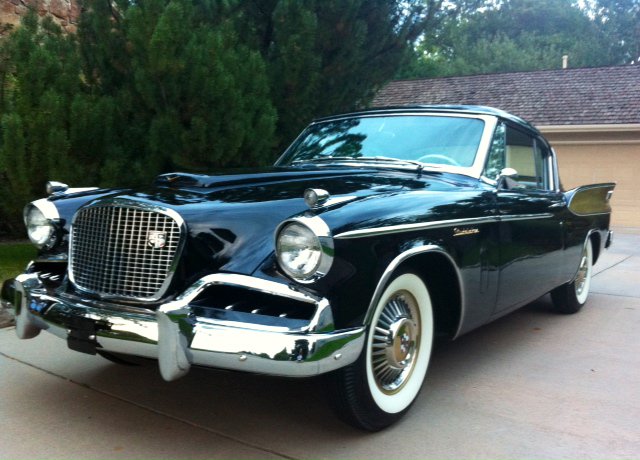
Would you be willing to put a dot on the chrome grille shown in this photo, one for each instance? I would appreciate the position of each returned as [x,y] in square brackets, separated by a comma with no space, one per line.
[123,251]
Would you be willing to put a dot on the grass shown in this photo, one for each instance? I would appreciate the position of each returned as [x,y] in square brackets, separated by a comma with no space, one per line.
[14,258]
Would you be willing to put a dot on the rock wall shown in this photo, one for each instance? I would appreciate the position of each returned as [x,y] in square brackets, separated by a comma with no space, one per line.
[64,12]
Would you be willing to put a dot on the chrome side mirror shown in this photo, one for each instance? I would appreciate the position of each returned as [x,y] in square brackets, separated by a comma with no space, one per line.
[507,179]
[59,188]
[56,187]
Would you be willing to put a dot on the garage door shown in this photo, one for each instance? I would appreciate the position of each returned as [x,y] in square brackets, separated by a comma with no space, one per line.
[591,163]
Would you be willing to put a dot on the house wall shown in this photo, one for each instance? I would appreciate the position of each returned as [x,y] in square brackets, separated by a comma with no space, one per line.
[600,154]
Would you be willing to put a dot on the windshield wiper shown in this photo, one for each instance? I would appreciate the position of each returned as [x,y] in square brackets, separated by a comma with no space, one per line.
[378,159]
[324,160]
[395,160]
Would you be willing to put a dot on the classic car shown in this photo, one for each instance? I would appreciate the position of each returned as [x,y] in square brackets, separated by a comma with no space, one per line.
[374,232]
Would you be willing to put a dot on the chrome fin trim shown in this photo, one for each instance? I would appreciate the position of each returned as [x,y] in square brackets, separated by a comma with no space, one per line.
[591,200]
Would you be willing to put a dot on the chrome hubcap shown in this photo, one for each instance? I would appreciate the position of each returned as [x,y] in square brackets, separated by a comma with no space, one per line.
[395,342]
[581,278]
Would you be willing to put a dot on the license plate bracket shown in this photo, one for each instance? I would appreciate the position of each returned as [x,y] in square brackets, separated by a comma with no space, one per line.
[82,335]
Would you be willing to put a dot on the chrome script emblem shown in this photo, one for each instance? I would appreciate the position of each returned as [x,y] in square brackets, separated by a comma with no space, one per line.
[156,239]
[465,231]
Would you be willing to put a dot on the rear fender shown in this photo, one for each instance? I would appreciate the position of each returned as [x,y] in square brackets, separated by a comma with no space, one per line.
[591,199]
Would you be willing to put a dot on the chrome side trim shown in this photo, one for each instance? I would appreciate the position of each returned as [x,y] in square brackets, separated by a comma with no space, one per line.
[366,232]
[516,217]
[554,170]
[395,263]
[336,200]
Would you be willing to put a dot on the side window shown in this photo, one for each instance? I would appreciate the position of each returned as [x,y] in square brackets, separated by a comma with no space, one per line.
[545,159]
[520,155]
[512,148]
[524,155]
[495,161]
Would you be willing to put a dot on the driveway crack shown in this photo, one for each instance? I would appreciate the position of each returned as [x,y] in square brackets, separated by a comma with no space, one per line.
[612,266]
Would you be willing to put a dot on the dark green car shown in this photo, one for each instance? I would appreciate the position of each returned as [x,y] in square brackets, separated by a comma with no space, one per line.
[373,232]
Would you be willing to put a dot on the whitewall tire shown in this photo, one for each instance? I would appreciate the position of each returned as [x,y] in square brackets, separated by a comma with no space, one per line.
[570,298]
[381,385]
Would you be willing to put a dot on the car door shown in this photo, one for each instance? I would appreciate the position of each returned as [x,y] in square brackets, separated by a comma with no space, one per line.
[530,209]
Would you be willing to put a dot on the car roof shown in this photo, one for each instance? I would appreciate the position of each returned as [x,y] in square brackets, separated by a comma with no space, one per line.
[458,109]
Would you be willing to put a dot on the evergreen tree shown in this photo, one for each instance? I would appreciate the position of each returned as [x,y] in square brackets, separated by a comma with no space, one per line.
[187,93]
[41,76]
[158,85]
[328,56]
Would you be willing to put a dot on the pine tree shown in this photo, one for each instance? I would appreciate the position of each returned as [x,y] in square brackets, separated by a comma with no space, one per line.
[41,76]
[328,56]
[157,85]
[188,94]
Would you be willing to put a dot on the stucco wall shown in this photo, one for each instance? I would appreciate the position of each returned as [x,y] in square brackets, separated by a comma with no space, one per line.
[591,157]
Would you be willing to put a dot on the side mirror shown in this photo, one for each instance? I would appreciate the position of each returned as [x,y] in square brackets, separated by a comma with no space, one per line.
[56,187]
[507,179]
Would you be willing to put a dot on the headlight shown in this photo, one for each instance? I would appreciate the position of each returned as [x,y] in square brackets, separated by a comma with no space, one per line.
[304,253]
[40,229]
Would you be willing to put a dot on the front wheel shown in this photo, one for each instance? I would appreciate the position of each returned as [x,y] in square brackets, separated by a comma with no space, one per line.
[570,298]
[378,389]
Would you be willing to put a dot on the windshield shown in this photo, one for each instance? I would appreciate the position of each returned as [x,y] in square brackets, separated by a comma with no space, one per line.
[431,139]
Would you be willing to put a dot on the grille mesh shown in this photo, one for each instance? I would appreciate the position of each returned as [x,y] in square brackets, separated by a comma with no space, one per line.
[113,253]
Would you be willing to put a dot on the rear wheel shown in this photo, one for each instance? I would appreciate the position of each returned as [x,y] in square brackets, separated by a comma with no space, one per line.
[378,389]
[570,298]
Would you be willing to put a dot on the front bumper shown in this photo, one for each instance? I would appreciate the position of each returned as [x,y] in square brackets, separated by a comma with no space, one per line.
[178,335]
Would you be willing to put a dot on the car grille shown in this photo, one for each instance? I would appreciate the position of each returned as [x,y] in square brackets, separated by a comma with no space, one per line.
[123,251]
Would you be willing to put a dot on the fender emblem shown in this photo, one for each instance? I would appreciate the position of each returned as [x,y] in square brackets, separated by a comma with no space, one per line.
[465,231]
[156,239]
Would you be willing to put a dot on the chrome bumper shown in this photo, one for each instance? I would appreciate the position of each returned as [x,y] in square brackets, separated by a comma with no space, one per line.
[178,338]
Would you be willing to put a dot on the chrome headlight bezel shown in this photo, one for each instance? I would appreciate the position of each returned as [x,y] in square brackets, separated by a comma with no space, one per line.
[310,234]
[39,220]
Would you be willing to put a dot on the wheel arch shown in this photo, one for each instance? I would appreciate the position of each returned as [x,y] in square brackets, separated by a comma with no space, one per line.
[595,239]
[445,285]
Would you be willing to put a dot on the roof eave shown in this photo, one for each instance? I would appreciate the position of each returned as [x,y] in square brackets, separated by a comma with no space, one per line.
[591,128]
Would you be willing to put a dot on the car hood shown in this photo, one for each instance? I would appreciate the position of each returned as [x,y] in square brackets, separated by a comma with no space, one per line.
[231,219]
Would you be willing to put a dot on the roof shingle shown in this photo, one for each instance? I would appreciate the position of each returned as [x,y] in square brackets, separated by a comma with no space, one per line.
[586,96]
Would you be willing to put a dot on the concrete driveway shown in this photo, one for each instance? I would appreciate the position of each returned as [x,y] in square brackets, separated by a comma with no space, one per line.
[531,385]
